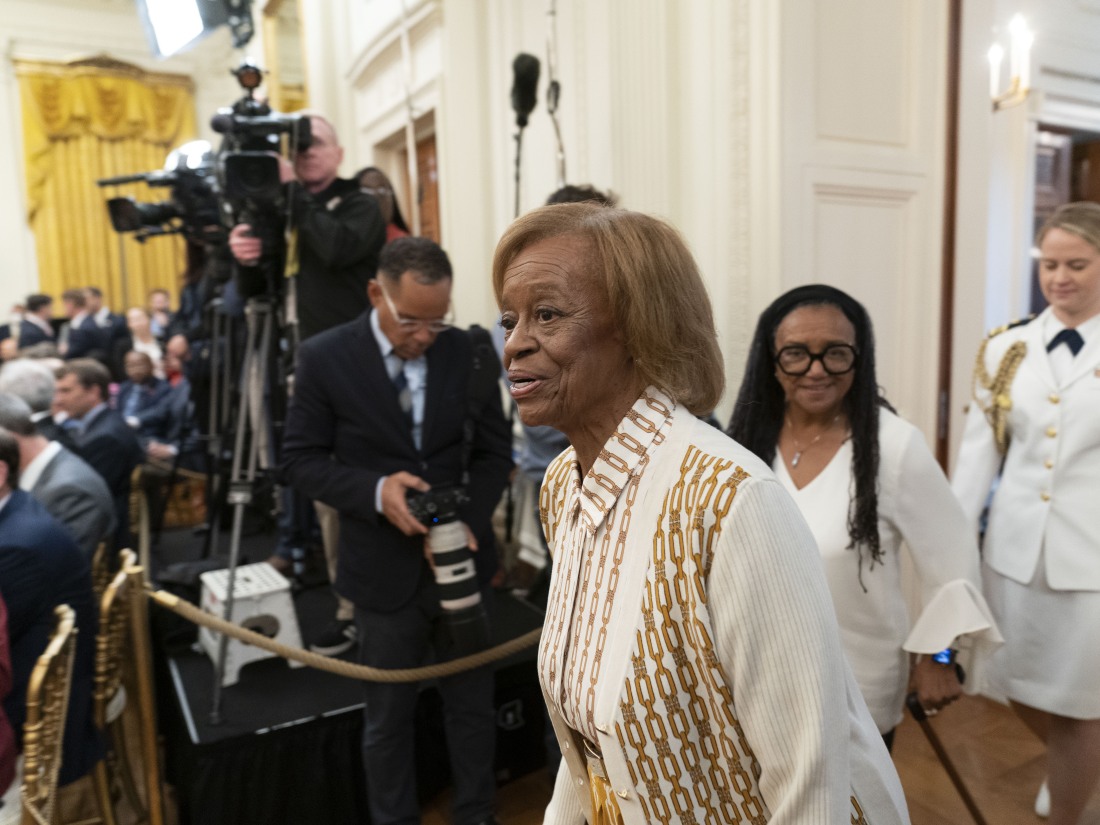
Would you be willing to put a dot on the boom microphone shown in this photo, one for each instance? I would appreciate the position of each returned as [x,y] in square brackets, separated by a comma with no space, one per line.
[525,69]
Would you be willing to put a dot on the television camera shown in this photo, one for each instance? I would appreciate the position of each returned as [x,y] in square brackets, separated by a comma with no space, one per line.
[192,208]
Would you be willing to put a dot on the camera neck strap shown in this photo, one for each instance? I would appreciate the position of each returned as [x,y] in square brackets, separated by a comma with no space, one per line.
[483,380]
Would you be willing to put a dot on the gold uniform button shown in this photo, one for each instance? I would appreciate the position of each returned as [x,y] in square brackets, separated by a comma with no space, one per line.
[1045,496]
[1051,432]
[1054,398]
[1049,464]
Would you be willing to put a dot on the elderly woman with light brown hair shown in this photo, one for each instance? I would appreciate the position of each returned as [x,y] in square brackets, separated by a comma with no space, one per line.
[690,660]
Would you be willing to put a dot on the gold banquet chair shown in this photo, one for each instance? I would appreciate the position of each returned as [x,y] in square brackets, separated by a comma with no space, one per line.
[47,707]
[124,658]
[101,569]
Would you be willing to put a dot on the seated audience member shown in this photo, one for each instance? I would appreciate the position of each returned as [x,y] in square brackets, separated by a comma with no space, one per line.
[8,752]
[177,432]
[34,382]
[35,327]
[63,483]
[40,568]
[140,396]
[80,337]
[105,440]
[375,183]
[160,313]
[143,340]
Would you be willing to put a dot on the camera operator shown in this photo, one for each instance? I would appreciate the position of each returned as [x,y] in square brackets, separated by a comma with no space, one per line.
[339,232]
[385,406]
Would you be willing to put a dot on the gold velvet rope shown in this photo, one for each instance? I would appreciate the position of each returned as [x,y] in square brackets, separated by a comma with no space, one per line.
[198,616]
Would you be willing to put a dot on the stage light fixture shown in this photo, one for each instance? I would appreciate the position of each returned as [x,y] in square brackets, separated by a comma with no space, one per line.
[175,25]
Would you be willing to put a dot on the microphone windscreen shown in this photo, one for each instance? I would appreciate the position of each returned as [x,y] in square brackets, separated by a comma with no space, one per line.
[525,70]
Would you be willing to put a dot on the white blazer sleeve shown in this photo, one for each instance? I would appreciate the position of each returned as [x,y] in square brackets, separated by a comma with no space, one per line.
[944,550]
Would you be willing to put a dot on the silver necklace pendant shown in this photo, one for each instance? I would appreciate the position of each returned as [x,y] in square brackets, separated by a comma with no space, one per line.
[796,458]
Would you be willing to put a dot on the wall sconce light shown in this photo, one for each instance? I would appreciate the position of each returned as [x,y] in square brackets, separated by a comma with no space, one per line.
[1019,66]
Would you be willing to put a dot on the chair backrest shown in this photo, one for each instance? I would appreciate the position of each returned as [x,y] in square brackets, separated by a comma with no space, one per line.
[101,569]
[47,707]
[114,642]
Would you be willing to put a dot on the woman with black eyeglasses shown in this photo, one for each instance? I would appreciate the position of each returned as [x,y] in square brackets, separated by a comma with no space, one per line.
[866,483]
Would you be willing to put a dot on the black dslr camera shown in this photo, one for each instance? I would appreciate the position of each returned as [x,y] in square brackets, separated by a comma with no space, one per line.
[455,573]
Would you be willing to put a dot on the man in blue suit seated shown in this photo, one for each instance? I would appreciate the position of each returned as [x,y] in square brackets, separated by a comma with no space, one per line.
[140,397]
[40,568]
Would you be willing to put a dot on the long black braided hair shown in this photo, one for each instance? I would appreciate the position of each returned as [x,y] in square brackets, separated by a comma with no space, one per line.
[761,406]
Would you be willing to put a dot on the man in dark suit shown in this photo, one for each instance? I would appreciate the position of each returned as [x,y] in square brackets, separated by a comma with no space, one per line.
[113,331]
[34,382]
[80,336]
[383,407]
[64,484]
[106,442]
[40,568]
[35,328]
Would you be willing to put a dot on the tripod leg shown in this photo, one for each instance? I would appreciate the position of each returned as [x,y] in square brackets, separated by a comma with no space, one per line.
[240,488]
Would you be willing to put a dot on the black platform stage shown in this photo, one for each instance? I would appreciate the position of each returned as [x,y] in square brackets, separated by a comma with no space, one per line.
[288,749]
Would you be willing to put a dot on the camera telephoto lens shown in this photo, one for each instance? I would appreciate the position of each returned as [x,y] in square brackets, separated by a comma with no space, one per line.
[464,616]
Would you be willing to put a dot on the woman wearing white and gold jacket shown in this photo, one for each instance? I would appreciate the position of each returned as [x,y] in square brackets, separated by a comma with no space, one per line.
[690,659]
[1037,410]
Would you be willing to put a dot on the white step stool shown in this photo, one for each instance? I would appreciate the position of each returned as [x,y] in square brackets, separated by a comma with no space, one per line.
[261,603]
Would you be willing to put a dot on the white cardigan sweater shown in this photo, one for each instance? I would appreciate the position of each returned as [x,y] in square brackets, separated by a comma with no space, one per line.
[720,691]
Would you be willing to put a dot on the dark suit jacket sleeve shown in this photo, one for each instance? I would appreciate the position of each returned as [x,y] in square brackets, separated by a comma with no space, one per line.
[491,456]
[339,237]
[113,450]
[309,440]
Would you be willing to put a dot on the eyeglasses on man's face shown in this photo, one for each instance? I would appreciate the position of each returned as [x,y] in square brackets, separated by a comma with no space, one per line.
[837,359]
[432,325]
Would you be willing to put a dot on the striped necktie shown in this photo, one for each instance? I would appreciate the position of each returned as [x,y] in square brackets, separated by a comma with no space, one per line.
[404,394]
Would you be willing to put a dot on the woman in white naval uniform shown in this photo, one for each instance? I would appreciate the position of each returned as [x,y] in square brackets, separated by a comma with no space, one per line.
[865,481]
[1036,418]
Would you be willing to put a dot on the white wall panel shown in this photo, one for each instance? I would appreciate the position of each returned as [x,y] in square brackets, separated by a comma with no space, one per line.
[863,67]
[862,156]
[868,230]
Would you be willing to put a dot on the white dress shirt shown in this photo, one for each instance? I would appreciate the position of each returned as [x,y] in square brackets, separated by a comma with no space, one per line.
[33,471]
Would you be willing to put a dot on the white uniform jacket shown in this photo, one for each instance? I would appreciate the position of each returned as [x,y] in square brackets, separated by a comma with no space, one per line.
[723,693]
[1048,497]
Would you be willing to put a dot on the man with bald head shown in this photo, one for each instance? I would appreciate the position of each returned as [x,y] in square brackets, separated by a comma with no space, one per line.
[337,231]
[339,234]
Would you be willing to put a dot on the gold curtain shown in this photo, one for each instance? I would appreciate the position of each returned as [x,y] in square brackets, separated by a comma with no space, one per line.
[90,120]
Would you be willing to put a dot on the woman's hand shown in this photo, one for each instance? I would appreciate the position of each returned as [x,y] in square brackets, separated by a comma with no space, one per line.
[937,685]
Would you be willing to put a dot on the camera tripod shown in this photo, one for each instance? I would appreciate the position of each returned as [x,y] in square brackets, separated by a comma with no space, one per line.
[253,426]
